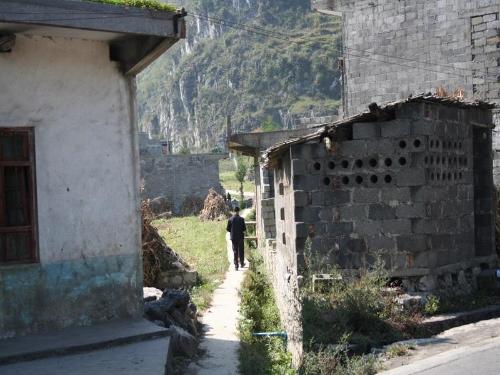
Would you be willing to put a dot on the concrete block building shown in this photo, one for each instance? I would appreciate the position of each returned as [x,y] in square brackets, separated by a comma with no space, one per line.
[393,49]
[70,237]
[410,182]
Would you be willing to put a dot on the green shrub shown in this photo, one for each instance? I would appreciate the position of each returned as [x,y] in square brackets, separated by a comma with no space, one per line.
[431,305]
[259,313]
[360,308]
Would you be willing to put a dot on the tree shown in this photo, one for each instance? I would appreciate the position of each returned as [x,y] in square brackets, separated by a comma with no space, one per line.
[241,173]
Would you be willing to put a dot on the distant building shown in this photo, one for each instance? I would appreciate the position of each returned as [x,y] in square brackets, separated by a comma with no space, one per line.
[184,180]
[410,182]
[70,240]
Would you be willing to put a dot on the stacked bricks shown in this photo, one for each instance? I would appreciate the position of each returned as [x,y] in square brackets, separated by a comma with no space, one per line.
[402,190]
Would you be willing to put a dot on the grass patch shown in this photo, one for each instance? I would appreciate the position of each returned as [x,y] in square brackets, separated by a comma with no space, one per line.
[202,244]
[149,4]
[260,355]
[229,182]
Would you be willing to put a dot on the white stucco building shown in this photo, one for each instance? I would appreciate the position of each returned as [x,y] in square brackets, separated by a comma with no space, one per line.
[70,240]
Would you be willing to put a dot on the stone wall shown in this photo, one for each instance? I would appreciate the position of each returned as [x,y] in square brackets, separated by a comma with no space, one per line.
[178,177]
[394,49]
[87,186]
[405,190]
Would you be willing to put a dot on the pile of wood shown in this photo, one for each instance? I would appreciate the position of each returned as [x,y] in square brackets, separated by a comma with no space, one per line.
[157,256]
[214,207]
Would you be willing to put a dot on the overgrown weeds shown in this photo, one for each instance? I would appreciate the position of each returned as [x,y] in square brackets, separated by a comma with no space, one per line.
[203,246]
[335,360]
[362,309]
[259,313]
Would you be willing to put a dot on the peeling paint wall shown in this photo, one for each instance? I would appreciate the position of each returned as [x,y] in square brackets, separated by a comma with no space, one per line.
[87,185]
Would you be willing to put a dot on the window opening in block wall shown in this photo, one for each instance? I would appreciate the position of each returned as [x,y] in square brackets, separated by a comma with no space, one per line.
[17,196]
[282,213]
[283,238]
[317,166]
[331,165]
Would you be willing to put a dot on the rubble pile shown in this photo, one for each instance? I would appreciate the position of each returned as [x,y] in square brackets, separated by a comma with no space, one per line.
[175,311]
[158,258]
[215,207]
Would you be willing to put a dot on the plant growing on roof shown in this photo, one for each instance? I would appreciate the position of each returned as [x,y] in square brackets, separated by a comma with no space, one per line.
[150,4]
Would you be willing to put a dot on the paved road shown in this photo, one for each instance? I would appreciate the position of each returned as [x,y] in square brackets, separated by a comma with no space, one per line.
[481,358]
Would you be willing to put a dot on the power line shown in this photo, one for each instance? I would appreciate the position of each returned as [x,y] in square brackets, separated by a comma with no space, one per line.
[266,33]
[251,29]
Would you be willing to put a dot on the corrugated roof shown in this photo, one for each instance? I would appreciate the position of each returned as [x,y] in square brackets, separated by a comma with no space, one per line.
[375,113]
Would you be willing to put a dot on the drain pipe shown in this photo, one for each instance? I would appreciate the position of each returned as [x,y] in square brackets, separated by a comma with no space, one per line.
[283,335]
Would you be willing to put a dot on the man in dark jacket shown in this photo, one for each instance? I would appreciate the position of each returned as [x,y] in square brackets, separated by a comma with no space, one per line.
[236,226]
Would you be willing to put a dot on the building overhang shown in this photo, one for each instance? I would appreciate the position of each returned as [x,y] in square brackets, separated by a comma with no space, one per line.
[136,36]
[252,144]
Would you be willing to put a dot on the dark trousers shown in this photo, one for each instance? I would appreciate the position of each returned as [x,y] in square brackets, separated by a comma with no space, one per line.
[239,252]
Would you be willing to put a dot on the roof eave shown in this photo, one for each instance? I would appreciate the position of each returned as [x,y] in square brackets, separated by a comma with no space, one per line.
[143,34]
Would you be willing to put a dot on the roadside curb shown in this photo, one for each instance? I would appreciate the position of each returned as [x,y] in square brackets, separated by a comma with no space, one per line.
[440,323]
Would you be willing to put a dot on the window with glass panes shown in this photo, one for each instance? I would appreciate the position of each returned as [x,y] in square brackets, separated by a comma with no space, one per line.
[17,196]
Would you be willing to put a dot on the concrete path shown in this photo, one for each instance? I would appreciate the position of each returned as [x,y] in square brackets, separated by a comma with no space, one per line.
[146,357]
[469,349]
[221,342]
[78,339]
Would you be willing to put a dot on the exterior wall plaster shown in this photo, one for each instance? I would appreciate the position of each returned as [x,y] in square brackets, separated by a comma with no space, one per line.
[82,112]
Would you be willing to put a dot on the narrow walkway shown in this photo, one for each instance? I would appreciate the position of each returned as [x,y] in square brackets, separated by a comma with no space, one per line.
[221,342]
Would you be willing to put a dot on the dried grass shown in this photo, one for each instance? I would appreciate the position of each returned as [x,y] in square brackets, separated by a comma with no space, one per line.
[458,94]
[215,207]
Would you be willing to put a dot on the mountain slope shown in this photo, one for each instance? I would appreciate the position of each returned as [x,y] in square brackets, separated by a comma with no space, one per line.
[282,64]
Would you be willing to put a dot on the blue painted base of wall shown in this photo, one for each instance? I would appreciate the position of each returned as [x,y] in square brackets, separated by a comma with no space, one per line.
[38,298]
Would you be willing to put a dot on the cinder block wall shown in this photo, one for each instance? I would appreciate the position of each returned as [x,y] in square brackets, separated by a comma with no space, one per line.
[283,261]
[397,48]
[403,189]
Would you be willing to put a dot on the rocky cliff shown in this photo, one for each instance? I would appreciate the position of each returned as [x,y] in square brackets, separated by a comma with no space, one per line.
[253,60]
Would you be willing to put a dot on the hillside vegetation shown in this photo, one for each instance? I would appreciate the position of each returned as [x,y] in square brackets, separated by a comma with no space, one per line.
[284,65]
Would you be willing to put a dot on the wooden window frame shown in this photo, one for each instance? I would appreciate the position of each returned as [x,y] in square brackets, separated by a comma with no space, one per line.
[29,149]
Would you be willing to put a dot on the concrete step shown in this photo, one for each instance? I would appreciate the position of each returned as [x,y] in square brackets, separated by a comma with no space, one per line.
[77,340]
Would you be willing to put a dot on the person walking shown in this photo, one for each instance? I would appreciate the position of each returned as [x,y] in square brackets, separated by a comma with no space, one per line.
[237,228]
